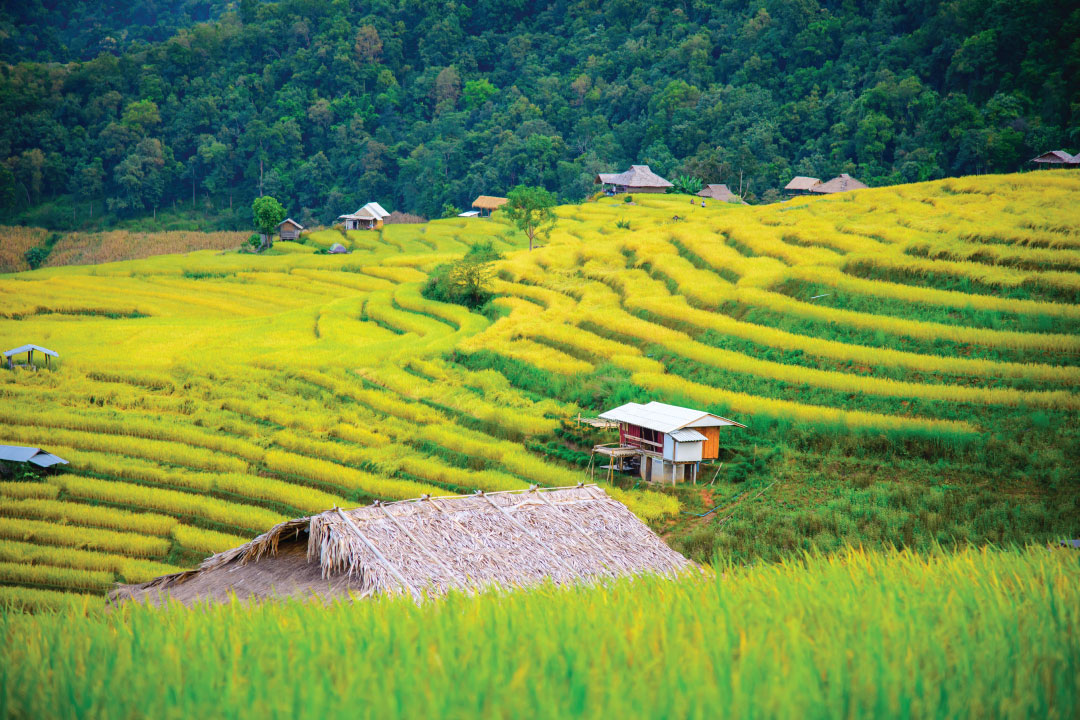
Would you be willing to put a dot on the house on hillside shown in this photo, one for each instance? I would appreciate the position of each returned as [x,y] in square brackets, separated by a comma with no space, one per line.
[369,217]
[669,441]
[801,185]
[1057,158]
[721,193]
[638,179]
[487,204]
[289,229]
[430,546]
[841,183]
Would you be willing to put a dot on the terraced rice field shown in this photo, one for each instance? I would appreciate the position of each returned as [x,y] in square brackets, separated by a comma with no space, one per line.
[894,346]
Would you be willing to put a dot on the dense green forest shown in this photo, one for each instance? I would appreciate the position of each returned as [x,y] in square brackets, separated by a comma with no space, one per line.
[132,109]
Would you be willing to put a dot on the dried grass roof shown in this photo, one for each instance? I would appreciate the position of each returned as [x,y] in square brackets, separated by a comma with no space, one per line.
[636,176]
[431,546]
[489,202]
[841,183]
[720,192]
[802,182]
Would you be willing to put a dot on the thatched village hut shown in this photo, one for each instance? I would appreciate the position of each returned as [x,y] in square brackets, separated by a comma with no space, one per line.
[369,217]
[638,179]
[289,229]
[801,185]
[1058,158]
[487,204]
[721,193]
[430,546]
[841,183]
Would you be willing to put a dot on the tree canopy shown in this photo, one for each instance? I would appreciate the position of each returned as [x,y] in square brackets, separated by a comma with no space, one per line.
[530,209]
[421,106]
[267,213]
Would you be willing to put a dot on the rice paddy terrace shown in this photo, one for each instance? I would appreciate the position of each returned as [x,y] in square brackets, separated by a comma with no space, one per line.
[907,360]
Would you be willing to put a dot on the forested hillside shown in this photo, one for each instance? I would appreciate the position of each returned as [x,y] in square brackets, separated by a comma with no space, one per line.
[423,105]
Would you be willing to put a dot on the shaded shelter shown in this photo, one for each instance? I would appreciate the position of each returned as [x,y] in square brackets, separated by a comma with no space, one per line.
[487,204]
[29,350]
[1058,158]
[841,183]
[32,455]
[721,193]
[431,545]
[801,185]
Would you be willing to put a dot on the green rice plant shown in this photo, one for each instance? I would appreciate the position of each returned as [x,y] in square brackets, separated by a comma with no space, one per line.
[55,577]
[820,636]
[48,533]
[88,515]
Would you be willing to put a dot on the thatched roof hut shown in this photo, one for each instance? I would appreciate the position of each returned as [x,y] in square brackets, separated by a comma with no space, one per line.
[722,193]
[639,179]
[1057,157]
[487,204]
[801,184]
[841,183]
[430,546]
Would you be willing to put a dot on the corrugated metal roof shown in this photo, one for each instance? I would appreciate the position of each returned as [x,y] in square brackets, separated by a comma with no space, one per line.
[687,435]
[28,348]
[665,418]
[375,209]
[37,456]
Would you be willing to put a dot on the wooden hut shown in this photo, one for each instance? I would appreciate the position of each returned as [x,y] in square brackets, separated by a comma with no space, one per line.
[428,547]
[721,193]
[1057,158]
[801,185]
[841,183]
[487,204]
[369,217]
[638,179]
[669,440]
[289,229]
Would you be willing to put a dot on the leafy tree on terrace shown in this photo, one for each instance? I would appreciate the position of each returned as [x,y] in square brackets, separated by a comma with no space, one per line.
[267,213]
[530,210]
[686,185]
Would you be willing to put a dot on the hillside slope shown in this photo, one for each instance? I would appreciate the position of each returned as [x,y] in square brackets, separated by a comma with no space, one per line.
[907,360]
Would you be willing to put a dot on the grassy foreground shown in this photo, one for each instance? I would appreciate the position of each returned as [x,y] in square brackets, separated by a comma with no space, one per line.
[976,633]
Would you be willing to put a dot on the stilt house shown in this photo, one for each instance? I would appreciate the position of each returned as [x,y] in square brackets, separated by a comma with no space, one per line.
[369,217]
[671,441]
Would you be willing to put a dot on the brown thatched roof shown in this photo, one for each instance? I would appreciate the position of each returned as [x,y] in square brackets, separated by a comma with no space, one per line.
[721,193]
[636,176]
[489,202]
[841,183]
[1057,157]
[802,182]
[431,546]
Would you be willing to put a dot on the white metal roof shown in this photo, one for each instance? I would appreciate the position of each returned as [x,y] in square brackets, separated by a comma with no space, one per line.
[373,209]
[687,435]
[37,456]
[469,213]
[665,418]
[28,348]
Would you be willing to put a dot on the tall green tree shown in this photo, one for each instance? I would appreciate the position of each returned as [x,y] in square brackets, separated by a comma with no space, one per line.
[530,209]
[267,213]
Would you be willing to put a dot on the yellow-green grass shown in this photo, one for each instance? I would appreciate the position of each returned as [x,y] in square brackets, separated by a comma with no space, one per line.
[991,633]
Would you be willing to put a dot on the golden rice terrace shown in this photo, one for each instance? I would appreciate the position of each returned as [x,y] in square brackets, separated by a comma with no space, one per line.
[906,359]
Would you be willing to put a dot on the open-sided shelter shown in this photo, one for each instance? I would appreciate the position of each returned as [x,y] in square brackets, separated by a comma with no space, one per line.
[670,440]
[638,179]
[32,455]
[841,183]
[430,546]
[289,229]
[487,204]
[721,193]
[29,350]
